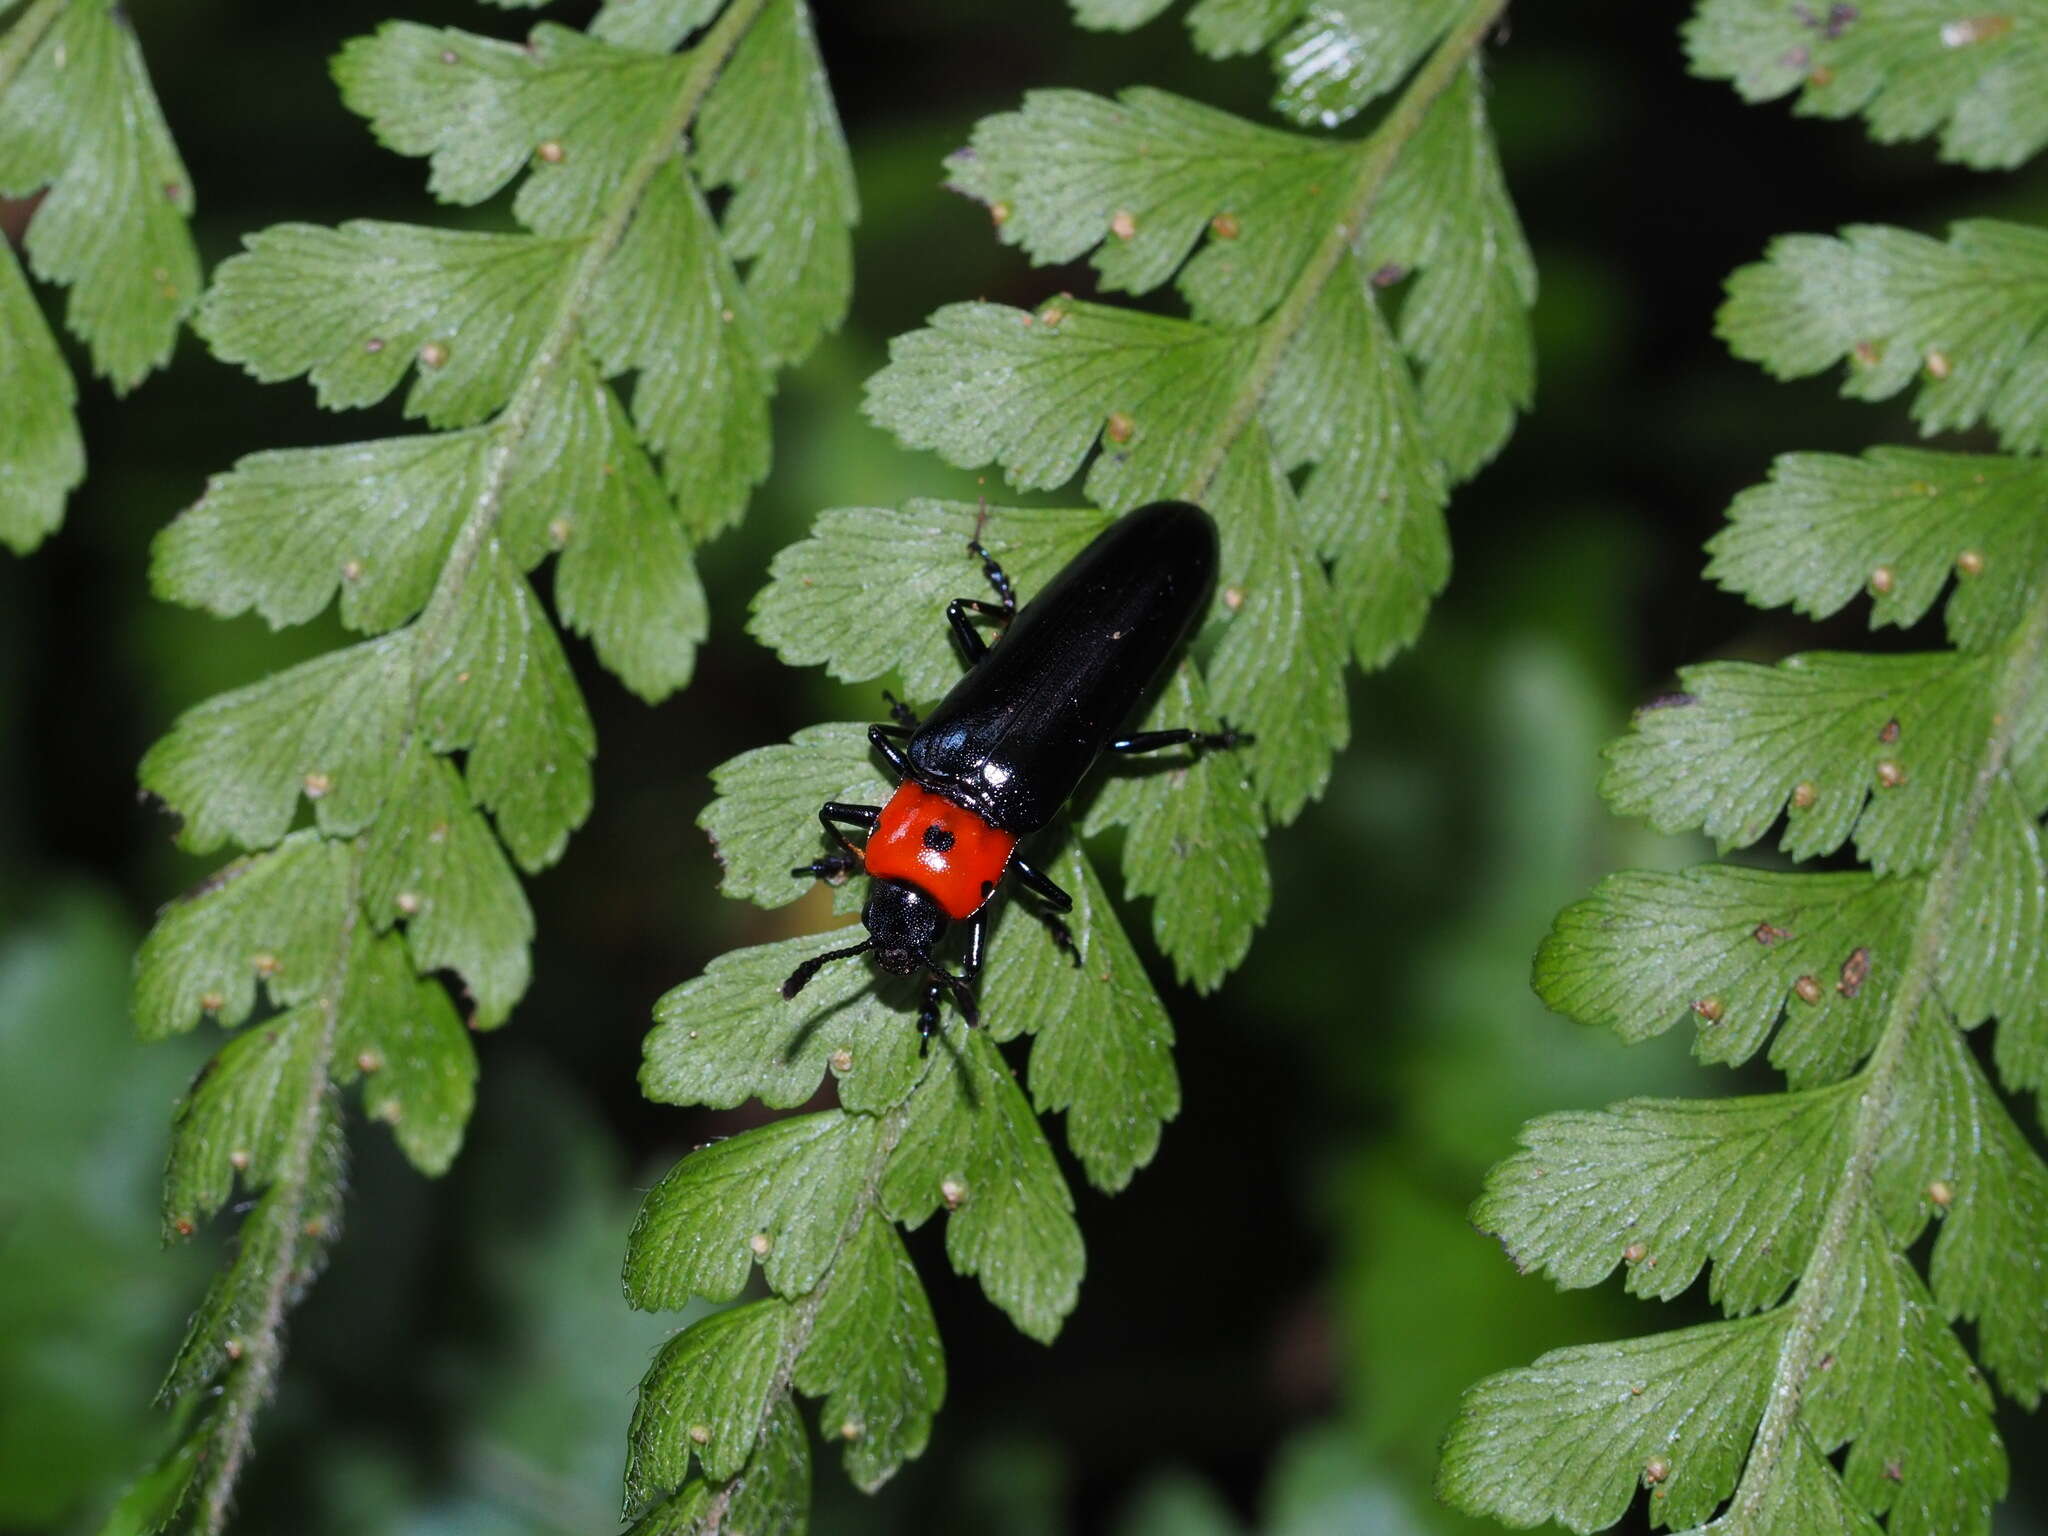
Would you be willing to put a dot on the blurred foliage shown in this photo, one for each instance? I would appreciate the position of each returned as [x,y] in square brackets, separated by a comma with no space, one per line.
[461,1367]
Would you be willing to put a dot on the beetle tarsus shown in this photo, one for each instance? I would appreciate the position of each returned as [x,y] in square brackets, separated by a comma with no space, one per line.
[901,712]
[832,815]
[1227,739]
[998,578]
[1056,901]
[927,1018]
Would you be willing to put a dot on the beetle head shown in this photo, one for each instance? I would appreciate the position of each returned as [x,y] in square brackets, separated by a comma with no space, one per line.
[903,925]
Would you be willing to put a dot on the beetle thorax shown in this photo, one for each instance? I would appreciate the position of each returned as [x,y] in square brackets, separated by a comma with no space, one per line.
[945,850]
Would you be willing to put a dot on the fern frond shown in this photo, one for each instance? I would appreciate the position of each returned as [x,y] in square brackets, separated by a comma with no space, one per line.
[80,124]
[385,792]
[1291,368]
[1803,1207]
[1910,68]
[1962,319]
[1333,58]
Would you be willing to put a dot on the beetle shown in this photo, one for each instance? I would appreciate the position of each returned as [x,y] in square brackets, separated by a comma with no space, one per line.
[1012,740]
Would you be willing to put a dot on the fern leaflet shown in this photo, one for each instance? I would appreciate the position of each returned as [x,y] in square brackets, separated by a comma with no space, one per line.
[1358,324]
[1806,1203]
[80,125]
[1910,68]
[386,791]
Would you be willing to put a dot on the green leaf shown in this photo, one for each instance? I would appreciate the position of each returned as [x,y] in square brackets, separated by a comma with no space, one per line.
[1346,54]
[399,1032]
[653,24]
[1897,523]
[1738,951]
[1881,746]
[1116,15]
[156,1497]
[1956,1140]
[772,1497]
[763,816]
[283,530]
[82,119]
[770,133]
[46,458]
[1345,401]
[1104,1047]
[431,860]
[782,1194]
[479,109]
[235,766]
[1445,215]
[499,688]
[730,1035]
[866,593]
[1665,1186]
[1661,1186]
[874,1357]
[241,1113]
[1192,843]
[283,1241]
[273,917]
[1909,67]
[1903,1394]
[704,1397]
[1573,1437]
[1901,308]
[1283,608]
[456,742]
[1334,61]
[1996,960]
[972,1144]
[627,577]
[1033,393]
[1138,181]
[354,308]
[1223,28]
[670,307]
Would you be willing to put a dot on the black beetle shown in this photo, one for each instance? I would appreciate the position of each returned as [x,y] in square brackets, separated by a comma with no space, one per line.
[1012,740]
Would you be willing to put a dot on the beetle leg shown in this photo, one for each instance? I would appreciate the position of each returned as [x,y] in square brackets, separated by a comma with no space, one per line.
[900,712]
[1154,741]
[977,946]
[968,636]
[928,1016]
[831,815]
[878,738]
[962,986]
[1041,885]
[998,578]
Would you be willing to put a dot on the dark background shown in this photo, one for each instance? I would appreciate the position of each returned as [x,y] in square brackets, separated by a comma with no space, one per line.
[1292,1285]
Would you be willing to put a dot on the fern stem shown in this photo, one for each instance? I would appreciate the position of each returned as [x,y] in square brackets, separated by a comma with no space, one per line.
[709,59]
[807,1306]
[1875,1100]
[26,35]
[255,1373]
[1382,151]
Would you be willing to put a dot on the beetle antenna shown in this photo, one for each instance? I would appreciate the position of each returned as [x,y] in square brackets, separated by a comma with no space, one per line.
[801,976]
